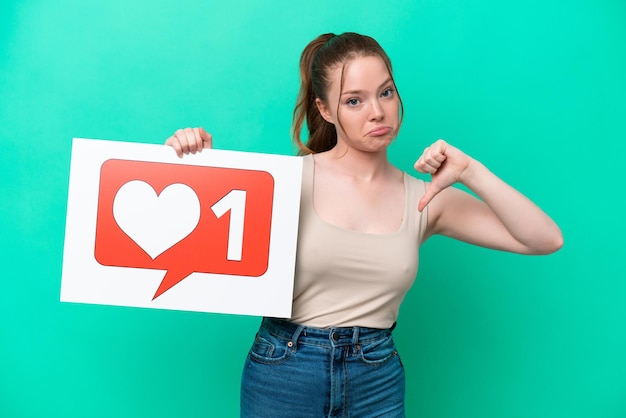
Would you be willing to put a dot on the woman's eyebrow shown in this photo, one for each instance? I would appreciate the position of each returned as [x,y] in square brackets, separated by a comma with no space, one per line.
[361,91]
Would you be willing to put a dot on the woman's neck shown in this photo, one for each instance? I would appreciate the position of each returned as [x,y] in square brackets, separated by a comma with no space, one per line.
[362,165]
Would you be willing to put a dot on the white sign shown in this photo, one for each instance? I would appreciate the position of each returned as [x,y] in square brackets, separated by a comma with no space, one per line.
[212,232]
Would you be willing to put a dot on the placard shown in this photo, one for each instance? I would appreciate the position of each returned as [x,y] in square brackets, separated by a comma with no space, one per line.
[214,231]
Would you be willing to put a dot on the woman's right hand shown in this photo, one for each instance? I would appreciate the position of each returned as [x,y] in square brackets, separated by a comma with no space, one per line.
[190,140]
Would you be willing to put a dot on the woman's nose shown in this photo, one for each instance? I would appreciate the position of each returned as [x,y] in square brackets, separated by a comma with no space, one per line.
[376,111]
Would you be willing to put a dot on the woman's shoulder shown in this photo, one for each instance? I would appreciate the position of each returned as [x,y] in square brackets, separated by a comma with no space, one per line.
[411,179]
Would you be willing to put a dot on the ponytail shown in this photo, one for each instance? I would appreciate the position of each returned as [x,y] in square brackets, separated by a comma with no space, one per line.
[322,134]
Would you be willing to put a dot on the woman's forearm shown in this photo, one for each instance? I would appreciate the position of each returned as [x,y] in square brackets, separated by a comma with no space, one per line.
[524,220]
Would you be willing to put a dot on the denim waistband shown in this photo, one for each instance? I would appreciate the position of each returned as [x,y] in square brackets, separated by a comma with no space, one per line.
[336,335]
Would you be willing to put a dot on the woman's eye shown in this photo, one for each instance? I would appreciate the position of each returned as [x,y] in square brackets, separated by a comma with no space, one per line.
[387,93]
[353,102]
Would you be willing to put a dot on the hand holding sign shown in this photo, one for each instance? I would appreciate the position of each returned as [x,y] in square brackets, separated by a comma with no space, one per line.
[190,140]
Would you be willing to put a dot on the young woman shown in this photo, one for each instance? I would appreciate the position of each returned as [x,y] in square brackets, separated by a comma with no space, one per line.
[361,224]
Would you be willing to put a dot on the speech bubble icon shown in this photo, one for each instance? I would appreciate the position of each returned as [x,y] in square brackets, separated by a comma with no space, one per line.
[225,227]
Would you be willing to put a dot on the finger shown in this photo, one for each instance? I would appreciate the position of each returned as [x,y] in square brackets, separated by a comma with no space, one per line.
[440,146]
[181,138]
[437,151]
[431,192]
[424,167]
[428,169]
[418,166]
[198,139]
[190,137]
[438,156]
[207,138]
[173,142]
[435,160]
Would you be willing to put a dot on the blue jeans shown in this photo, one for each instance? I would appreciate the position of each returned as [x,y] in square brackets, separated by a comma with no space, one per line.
[299,372]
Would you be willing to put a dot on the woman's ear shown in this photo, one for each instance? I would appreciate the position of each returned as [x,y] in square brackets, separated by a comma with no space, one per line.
[324,111]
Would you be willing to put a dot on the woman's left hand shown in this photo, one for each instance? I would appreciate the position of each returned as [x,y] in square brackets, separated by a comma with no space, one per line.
[446,165]
[497,217]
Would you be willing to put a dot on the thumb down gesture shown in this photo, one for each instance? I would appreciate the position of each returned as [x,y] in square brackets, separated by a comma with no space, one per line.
[445,164]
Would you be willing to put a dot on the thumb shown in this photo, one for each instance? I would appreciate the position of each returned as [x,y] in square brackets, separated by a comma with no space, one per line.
[431,191]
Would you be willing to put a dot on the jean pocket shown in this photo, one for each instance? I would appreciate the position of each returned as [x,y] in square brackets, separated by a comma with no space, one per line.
[269,349]
[379,352]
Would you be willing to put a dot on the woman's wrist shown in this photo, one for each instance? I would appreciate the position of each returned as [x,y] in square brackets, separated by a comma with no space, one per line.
[471,176]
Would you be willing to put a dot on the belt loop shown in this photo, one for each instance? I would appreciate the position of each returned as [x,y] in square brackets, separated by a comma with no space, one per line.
[355,335]
[295,336]
[355,340]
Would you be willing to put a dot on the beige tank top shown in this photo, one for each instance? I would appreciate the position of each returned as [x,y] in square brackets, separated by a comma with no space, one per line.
[348,278]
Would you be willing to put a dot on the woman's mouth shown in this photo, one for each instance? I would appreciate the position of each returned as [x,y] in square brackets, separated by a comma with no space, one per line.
[379,131]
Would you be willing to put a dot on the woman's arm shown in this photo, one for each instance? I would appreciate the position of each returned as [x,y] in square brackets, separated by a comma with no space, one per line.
[502,219]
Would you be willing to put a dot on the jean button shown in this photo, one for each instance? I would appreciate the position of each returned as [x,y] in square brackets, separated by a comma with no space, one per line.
[335,336]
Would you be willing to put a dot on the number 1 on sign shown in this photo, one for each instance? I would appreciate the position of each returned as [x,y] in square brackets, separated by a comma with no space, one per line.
[235,202]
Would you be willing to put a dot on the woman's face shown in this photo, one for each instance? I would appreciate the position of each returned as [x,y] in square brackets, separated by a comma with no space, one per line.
[365,110]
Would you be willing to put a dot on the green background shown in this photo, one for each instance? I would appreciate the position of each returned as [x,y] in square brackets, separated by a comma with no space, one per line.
[534,89]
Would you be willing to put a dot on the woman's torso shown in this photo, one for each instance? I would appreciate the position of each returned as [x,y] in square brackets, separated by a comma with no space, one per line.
[351,278]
